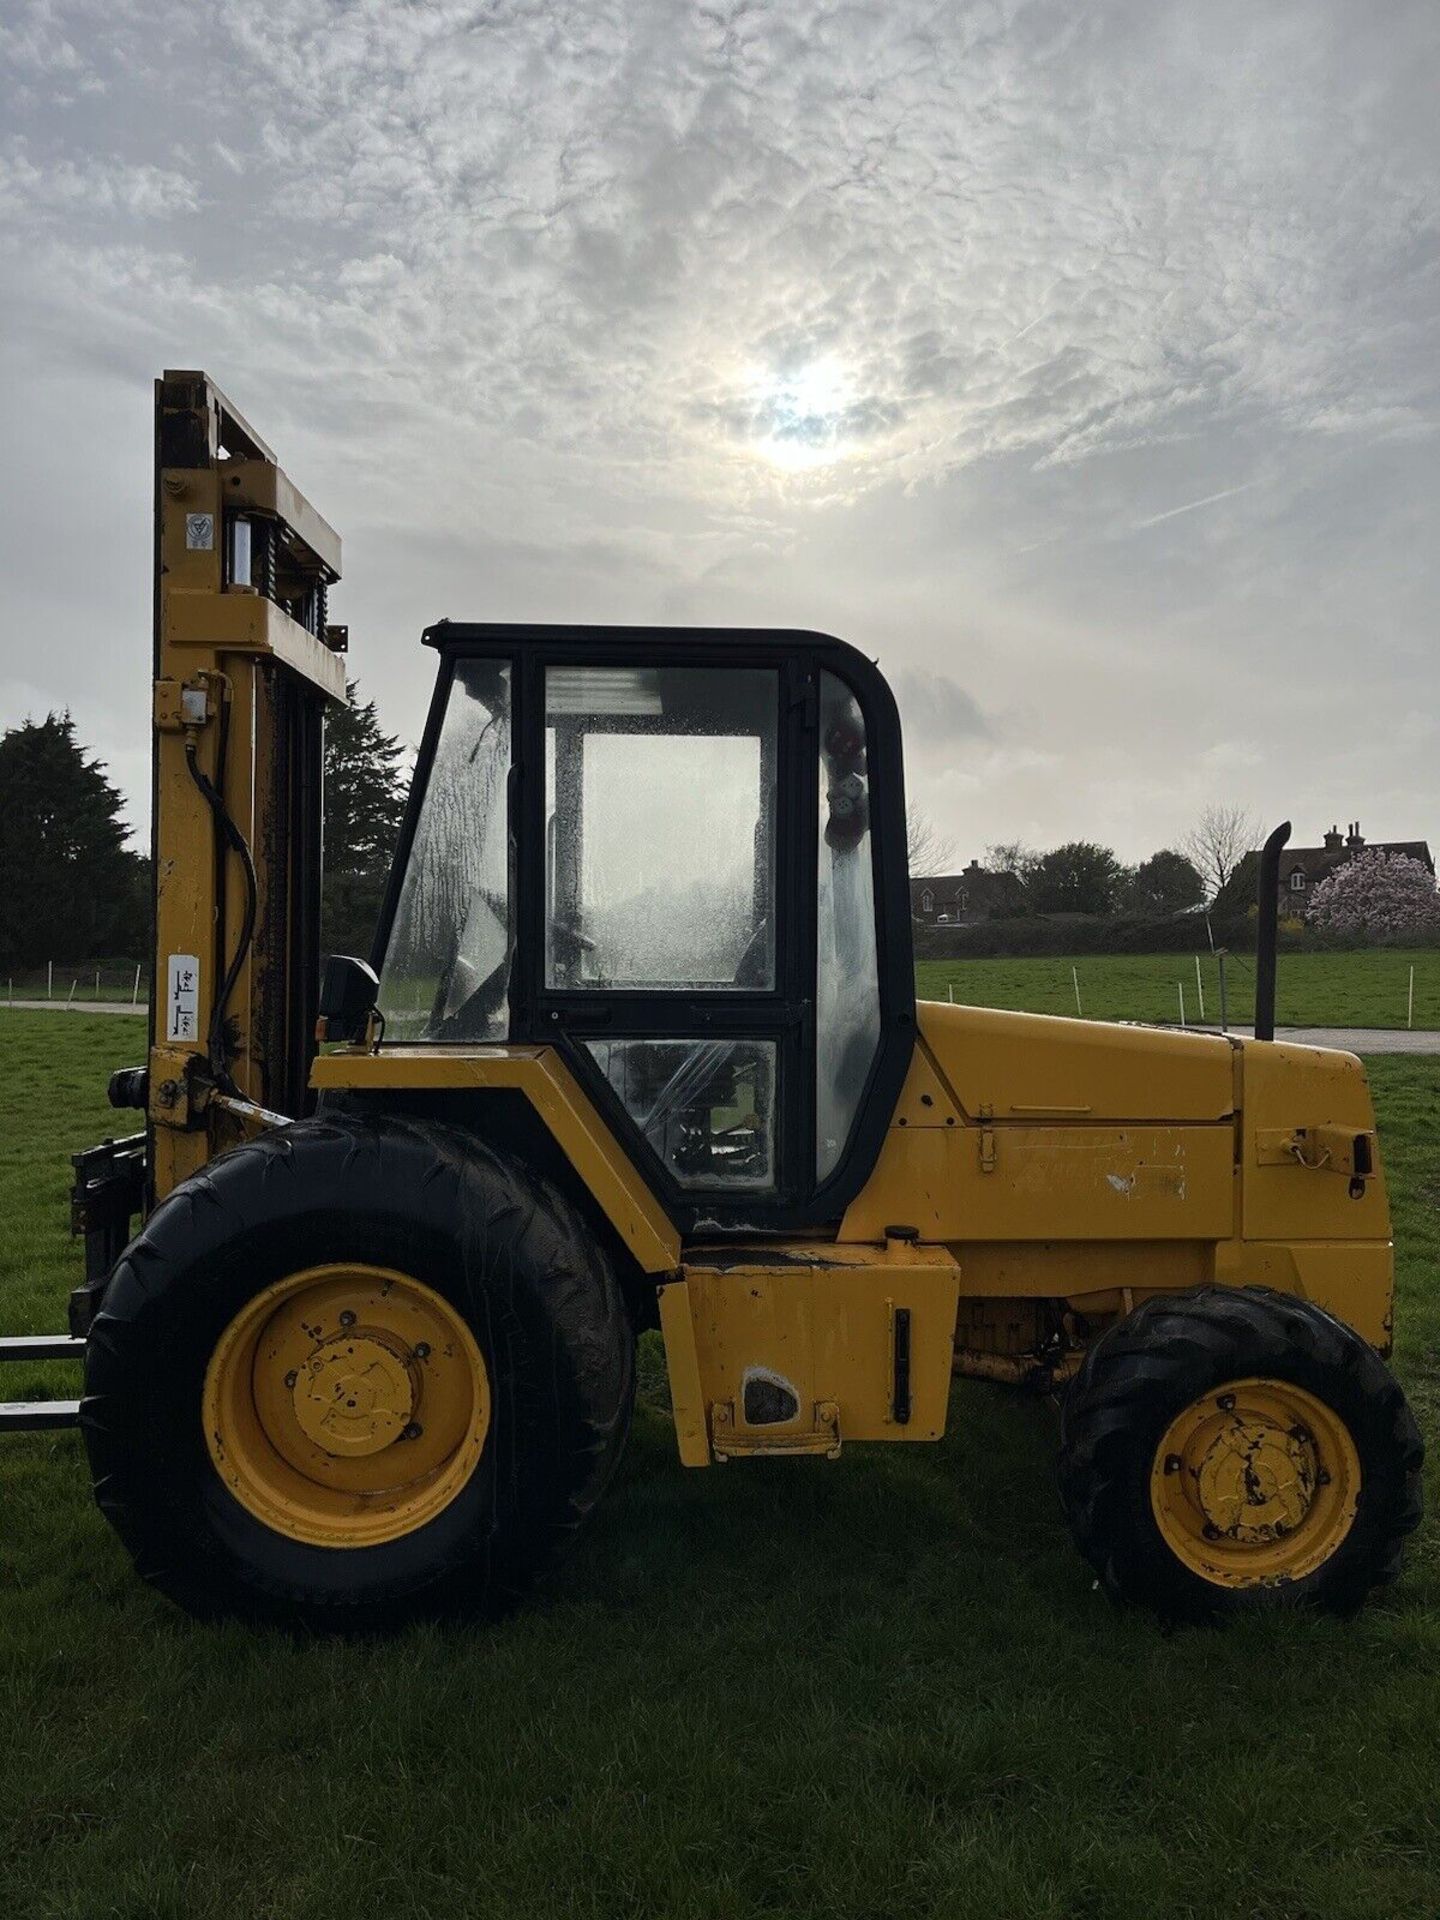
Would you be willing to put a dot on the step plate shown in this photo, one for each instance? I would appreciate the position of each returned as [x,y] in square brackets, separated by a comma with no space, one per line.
[791,1350]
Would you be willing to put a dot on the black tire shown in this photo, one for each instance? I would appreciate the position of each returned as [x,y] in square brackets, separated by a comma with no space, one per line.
[499,1244]
[1144,1372]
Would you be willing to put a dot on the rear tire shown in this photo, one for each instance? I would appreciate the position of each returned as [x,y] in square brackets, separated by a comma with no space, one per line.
[495,1252]
[1298,1493]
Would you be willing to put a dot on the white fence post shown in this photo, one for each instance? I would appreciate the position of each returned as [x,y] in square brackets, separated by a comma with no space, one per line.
[49,979]
[1075,977]
[135,996]
[1410,999]
[1199,989]
[1180,989]
[70,997]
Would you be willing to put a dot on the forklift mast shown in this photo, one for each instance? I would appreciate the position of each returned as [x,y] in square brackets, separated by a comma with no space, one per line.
[244,663]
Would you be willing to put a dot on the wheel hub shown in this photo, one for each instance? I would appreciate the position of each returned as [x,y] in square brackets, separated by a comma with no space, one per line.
[1256,1481]
[1255,1484]
[355,1395]
[346,1405]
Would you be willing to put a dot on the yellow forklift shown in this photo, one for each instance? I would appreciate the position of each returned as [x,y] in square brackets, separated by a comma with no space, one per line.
[639,1047]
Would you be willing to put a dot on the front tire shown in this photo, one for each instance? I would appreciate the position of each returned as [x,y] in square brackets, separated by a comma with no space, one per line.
[354,1372]
[1235,1449]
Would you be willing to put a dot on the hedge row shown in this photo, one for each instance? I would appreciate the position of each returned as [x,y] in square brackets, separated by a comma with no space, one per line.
[1041,934]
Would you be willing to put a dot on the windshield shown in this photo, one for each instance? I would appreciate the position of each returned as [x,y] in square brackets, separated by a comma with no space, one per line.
[446,974]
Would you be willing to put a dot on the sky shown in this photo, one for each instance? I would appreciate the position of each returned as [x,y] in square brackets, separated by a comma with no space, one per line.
[1079,362]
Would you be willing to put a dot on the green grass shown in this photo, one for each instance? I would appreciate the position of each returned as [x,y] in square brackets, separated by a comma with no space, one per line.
[1365,989]
[883,1687]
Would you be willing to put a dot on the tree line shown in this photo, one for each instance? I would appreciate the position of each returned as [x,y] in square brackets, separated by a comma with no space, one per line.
[73,886]
[1083,877]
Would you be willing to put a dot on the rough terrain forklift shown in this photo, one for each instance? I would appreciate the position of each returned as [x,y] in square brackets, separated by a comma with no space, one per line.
[640,1047]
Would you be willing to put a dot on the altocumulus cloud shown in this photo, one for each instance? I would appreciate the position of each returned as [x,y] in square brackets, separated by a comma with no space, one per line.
[608,309]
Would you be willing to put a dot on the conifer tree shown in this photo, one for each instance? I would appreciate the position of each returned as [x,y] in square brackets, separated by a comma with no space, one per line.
[70,888]
[364,800]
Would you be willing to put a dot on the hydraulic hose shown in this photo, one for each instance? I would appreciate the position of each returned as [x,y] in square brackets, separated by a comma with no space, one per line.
[235,840]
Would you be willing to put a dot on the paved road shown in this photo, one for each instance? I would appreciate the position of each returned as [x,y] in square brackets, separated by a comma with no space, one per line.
[1347,1039]
[1362,1039]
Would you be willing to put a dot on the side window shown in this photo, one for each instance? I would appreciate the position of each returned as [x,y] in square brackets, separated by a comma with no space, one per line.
[660,789]
[847,983]
[446,974]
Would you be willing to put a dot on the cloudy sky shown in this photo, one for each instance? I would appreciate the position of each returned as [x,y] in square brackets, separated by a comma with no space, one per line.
[1078,360]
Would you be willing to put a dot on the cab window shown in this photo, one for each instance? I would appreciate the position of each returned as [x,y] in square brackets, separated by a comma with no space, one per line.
[660,807]
[446,972]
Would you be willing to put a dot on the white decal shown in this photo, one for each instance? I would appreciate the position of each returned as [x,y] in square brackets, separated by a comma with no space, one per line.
[200,532]
[182,1016]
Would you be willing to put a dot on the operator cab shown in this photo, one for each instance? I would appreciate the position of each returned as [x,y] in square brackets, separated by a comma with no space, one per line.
[677,856]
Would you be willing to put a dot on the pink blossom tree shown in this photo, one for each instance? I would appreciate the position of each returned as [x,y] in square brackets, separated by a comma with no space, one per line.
[1382,899]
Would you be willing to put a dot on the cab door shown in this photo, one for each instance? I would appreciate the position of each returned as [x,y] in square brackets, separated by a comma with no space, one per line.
[702,939]
[664,962]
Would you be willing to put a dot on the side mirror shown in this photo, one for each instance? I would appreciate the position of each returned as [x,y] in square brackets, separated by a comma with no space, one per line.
[349,990]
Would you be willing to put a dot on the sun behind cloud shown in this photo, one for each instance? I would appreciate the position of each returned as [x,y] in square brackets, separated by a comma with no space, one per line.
[799,416]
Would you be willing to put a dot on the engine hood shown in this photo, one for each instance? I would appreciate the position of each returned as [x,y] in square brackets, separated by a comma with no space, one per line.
[1036,1067]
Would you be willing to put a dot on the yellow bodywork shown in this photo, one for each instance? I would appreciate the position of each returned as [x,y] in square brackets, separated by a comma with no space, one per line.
[1045,1176]
[547,1083]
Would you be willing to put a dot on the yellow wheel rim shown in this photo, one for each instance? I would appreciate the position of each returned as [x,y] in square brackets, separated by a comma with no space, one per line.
[1255,1484]
[346,1405]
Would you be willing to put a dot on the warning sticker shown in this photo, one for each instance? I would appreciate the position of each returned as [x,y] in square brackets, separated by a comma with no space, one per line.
[182,1014]
[200,532]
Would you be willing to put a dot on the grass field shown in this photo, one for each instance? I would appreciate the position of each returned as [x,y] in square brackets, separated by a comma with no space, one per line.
[884,1687]
[1367,989]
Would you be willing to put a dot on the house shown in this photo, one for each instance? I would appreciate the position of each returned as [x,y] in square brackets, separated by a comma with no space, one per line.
[1303,868]
[962,899]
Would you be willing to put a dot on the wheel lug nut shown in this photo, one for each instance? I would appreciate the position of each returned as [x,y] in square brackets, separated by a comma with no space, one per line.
[1322,1478]
[347,1319]
[413,1431]
[1211,1531]
[1302,1434]
[291,1378]
[422,1352]
[1225,1402]
[1172,1463]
